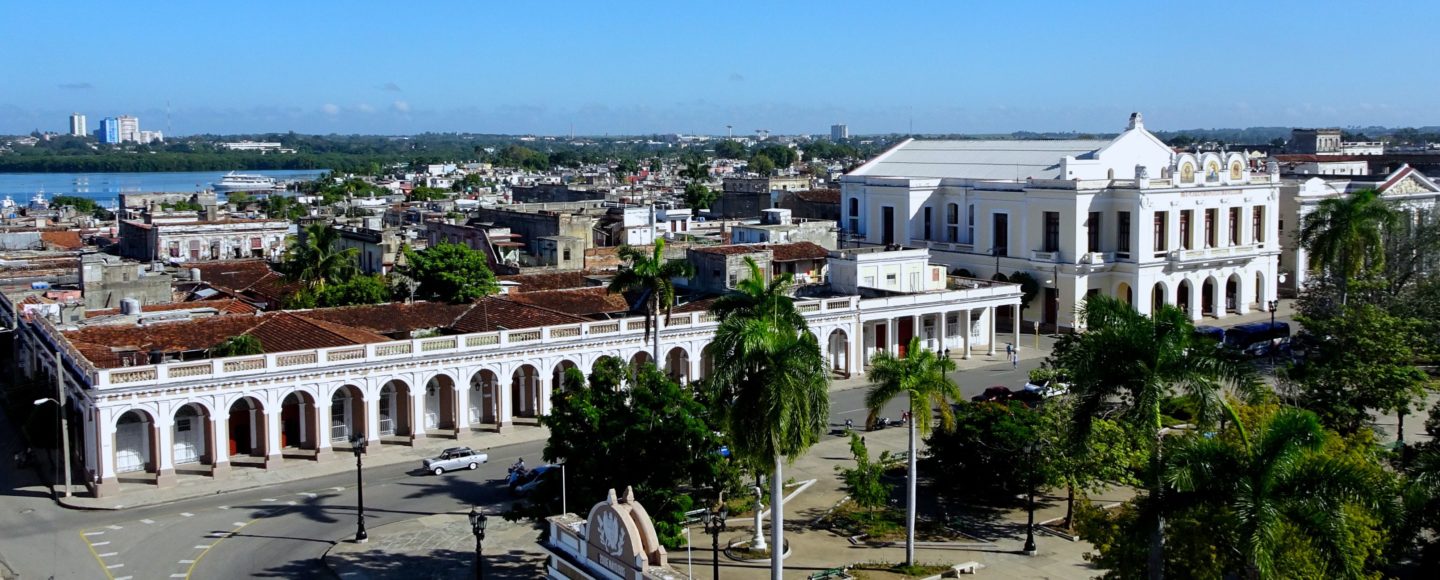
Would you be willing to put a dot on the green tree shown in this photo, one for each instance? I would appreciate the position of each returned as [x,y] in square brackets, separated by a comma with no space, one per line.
[695,170]
[1365,361]
[653,435]
[1138,360]
[773,390]
[654,276]
[626,167]
[1110,455]
[865,482]
[923,377]
[729,149]
[360,289]
[450,272]
[698,196]
[241,345]
[283,207]
[762,164]
[239,198]
[983,457]
[313,259]
[422,193]
[754,296]
[1343,236]
[1283,478]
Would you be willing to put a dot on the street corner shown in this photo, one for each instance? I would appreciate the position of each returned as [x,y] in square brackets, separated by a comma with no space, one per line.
[439,546]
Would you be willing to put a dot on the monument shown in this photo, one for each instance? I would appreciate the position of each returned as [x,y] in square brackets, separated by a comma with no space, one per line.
[616,539]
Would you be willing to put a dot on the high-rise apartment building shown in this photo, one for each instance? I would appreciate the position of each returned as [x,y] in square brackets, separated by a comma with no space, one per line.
[109,131]
[838,132]
[77,125]
[129,129]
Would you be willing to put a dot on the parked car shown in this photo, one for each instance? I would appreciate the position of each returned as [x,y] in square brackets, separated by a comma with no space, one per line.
[1048,389]
[996,393]
[533,478]
[455,458]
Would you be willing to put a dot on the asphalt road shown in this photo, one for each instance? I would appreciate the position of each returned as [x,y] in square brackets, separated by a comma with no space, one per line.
[284,530]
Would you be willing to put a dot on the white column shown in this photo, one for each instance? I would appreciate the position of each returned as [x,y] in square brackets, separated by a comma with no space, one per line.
[917,326]
[1015,322]
[542,402]
[272,435]
[502,397]
[990,313]
[107,445]
[220,434]
[965,334]
[940,328]
[462,406]
[372,417]
[165,430]
[322,425]
[417,411]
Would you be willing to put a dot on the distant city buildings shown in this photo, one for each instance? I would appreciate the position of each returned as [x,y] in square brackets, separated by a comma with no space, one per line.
[839,132]
[77,125]
[116,130]
[129,128]
[262,147]
[109,131]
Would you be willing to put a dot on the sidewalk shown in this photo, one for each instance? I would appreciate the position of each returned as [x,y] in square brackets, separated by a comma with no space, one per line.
[188,486]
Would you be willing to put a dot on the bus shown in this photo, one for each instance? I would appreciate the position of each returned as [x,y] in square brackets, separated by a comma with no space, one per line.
[1257,338]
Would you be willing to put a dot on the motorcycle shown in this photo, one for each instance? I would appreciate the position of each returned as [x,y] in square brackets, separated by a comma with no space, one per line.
[515,475]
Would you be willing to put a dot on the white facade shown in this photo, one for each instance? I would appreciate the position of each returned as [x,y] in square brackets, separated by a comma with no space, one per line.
[267,410]
[129,128]
[1081,217]
[77,125]
[1414,195]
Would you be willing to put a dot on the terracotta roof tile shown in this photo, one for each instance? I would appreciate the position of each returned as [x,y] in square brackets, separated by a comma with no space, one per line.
[798,251]
[225,305]
[106,346]
[828,196]
[491,313]
[394,318]
[286,331]
[578,301]
[232,274]
[550,280]
[64,240]
[729,249]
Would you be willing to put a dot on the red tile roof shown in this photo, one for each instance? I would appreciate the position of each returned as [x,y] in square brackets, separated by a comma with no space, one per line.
[491,313]
[234,275]
[549,280]
[225,305]
[63,240]
[277,332]
[729,249]
[394,318]
[578,301]
[827,196]
[797,251]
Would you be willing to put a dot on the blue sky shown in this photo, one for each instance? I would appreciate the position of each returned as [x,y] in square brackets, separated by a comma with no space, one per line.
[630,67]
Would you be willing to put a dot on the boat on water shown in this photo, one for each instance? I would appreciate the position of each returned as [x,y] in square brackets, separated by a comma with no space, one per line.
[243,182]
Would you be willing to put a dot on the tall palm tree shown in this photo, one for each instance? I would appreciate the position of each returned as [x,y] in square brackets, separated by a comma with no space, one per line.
[654,276]
[773,389]
[314,260]
[1138,360]
[924,378]
[1344,235]
[753,296]
[1281,479]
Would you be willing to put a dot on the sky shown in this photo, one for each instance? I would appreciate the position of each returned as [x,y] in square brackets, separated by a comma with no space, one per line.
[792,67]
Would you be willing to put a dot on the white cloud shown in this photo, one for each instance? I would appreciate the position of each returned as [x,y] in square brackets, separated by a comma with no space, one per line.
[330,109]
[365,108]
[401,106]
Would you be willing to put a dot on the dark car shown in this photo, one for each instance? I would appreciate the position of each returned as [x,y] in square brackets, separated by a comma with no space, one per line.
[996,393]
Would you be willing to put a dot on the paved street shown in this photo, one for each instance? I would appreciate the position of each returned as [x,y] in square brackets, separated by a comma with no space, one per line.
[283,530]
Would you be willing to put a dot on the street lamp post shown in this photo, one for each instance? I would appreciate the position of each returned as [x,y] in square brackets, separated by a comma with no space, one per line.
[1273,305]
[714,522]
[357,444]
[1030,481]
[477,527]
[62,469]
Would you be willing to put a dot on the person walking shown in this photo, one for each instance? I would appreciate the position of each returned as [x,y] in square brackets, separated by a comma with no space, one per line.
[1014,360]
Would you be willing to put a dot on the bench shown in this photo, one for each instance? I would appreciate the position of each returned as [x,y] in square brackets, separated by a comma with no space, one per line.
[831,573]
[966,568]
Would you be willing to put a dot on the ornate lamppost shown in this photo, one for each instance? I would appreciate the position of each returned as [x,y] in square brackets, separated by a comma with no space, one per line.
[357,444]
[477,527]
[714,522]
[1029,548]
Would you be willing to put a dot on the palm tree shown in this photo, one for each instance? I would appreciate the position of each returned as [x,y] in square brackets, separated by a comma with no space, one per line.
[774,393]
[753,296]
[1283,479]
[314,261]
[1138,360]
[1344,235]
[654,276]
[924,378]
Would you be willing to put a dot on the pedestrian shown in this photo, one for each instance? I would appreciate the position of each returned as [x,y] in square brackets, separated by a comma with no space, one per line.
[1009,349]
[1014,361]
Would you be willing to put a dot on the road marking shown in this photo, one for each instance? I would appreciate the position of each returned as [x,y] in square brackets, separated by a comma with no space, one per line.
[187,562]
[92,533]
[204,547]
[224,507]
[124,578]
[115,527]
[309,495]
[337,489]
[108,554]
[239,524]
[191,569]
[100,544]
[268,499]
[292,503]
[187,514]
[147,521]
[177,575]
[96,555]
[114,566]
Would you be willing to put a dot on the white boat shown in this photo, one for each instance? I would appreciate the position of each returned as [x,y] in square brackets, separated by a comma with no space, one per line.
[243,182]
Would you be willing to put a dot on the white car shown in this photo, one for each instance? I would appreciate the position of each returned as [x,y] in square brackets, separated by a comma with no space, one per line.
[1048,389]
[455,458]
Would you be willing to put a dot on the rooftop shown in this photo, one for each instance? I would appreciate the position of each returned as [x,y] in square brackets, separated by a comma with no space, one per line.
[1006,160]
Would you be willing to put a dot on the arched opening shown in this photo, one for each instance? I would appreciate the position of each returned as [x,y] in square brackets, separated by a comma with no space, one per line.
[134,441]
[1158,295]
[1123,293]
[640,358]
[247,429]
[1182,298]
[298,424]
[440,403]
[1207,297]
[707,361]
[395,409]
[347,414]
[484,398]
[838,351]
[1232,293]
[190,436]
[1260,302]
[557,376]
[677,365]
[525,392]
